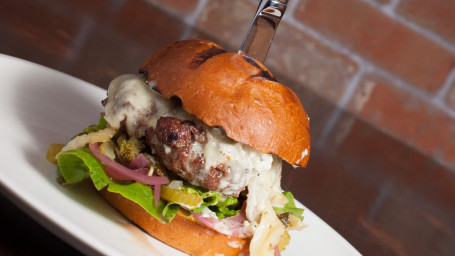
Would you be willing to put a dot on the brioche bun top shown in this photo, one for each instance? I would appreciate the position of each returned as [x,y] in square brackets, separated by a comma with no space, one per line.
[234,92]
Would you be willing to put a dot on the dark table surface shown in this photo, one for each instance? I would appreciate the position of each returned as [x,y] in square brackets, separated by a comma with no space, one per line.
[384,197]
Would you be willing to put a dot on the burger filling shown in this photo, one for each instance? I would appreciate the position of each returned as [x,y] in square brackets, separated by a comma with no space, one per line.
[226,185]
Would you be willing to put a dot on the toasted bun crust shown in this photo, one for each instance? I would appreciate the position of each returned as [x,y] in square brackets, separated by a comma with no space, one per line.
[234,92]
[183,233]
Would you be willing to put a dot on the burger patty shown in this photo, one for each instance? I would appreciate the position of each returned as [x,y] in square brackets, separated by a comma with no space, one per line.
[174,142]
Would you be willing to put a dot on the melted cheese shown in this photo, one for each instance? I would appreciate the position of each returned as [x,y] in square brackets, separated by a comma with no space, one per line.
[268,233]
[264,191]
[244,162]
[132,101]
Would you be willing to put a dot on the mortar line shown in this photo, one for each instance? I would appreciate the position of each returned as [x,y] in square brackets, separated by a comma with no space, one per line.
[336,115]
[80,40]
[440,95]
[393,5]
[290,9]
[389,8]
[352,86]
[190,20]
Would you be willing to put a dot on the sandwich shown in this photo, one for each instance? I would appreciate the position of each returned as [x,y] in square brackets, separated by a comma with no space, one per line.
[190,149]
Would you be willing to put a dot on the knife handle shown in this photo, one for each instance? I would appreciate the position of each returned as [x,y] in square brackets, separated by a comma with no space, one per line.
[260,34]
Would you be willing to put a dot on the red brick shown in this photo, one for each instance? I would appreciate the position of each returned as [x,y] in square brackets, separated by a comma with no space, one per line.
[99,10]
[144,23]
[227,21]
[382,40]
[176,7]
[28,24]
[404,115]
[449,156]
[99,62]
[436,15]
[306,61]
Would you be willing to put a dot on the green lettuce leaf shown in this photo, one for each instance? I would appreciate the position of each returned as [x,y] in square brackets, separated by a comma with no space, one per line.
[77,165]
[289,206]
[170,210]
[142,195]
[96,127]
[227,208]
[213,200]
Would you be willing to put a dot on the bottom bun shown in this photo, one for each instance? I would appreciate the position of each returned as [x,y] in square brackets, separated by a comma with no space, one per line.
[183,233]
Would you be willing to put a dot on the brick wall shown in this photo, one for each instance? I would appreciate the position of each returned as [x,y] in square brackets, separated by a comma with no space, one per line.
[390,62]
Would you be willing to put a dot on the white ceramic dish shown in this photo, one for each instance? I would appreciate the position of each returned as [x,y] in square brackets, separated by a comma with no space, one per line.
[40,106]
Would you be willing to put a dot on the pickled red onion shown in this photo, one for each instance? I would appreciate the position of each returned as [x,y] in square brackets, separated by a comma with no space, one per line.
[232,226]
[140,161]
[277,251]
[156,194]
[120,172]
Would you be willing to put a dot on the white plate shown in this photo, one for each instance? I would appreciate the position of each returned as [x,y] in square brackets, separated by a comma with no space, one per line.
[39,106]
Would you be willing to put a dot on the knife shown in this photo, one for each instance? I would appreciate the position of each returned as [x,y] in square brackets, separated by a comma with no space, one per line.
[260,34]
